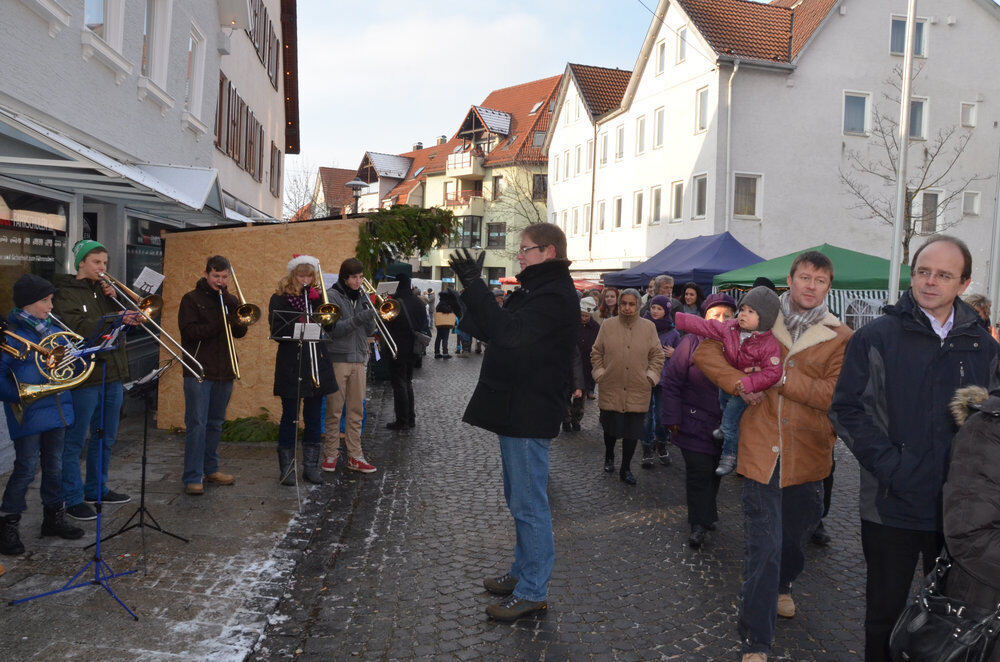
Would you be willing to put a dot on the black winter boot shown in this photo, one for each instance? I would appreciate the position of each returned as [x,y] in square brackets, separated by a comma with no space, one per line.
[310,464]
[54,524]
[286,472]
[10,541]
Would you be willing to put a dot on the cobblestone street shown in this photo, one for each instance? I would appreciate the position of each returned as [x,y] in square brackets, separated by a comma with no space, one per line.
[396,574]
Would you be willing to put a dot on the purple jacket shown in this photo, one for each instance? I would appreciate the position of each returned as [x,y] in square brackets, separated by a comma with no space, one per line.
[690,400]
[761,350]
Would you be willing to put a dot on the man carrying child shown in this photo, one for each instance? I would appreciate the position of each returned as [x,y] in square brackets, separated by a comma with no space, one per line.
[786,447]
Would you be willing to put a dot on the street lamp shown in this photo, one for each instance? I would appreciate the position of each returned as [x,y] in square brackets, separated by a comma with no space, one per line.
[356,185]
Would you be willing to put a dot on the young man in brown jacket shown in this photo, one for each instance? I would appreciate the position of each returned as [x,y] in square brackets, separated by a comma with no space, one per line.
[203,335]
[786,447]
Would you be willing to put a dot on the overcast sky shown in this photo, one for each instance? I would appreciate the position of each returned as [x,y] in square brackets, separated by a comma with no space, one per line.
[384,74]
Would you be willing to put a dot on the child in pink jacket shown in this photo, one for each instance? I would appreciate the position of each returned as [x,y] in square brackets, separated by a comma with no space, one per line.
[747,344]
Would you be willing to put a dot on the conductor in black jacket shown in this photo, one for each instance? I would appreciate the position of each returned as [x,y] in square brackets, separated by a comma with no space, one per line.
[521,396]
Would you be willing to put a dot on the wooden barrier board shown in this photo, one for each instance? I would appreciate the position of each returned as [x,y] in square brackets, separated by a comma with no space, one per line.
[259,254]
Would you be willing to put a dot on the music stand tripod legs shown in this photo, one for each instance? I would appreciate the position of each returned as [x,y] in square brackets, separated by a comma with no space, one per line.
[102,571]
[144,391]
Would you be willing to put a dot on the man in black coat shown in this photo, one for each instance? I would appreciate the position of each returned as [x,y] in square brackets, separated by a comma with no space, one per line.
[521,396]
[412,318]
[890,407]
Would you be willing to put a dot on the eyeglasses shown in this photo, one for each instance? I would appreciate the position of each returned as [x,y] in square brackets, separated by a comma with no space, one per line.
[943,276]
[524,249]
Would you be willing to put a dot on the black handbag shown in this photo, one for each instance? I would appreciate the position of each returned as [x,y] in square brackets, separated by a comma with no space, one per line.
[936,628]
[420,339]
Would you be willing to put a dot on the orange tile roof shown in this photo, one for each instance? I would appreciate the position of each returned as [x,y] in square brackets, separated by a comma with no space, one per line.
[335,193]
[805,19]
[427,161]
[743,28]
[602,89]
[518,102]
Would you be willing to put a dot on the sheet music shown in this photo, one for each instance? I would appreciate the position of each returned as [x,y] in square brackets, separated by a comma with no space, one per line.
[148,281]
[307,331]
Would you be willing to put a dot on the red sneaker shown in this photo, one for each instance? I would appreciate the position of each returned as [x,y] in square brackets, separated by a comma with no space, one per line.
[359,464]
[329,463]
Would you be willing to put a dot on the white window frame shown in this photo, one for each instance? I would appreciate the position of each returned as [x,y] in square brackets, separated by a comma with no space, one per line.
[655,205]
[640,135]
[576,221]
[695,180]
[576,108]
[659,126]
[555,163]
[565,221]
[973,112]
[676,201]
[920,46]
[868,112]
[619,142]
[605,139]
[108,49]
[758,197]
[195,77]
[616,213]
[602,208]
[925,111]
[638,208]
[565,165]
[578,166]
[681,44]
[937,212]
[587,220]
[973,208]
[661,57]
[701,112]
[159,42]
[588,165]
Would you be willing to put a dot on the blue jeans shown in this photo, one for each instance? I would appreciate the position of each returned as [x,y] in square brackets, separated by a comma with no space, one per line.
[464,343]
[204,411]
[525,484]
[732,409]
[87,414]
[311,416]
[776,522]
[49,445]
[655,432]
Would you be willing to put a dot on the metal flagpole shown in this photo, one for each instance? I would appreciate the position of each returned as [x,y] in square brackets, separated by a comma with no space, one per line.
[904,144]
[993,285]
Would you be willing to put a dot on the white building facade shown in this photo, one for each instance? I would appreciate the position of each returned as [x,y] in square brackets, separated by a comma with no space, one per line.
[677,159]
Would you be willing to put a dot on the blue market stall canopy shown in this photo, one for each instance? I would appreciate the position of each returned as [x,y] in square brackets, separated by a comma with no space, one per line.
[697,259]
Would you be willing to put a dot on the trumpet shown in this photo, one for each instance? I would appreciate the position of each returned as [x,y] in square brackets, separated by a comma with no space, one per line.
[386,310]
[246,314]
[149,306]
[57,361]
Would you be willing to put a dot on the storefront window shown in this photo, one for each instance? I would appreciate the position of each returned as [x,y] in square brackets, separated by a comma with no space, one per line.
[144,249]
[32,239]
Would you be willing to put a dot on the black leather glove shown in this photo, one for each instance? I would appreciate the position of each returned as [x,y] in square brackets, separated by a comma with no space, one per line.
[466,267]
[451,298]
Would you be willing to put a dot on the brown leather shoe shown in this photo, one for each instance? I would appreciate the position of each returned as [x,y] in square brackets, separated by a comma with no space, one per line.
[220,478]
[194,489]
[513,608]
[786,606]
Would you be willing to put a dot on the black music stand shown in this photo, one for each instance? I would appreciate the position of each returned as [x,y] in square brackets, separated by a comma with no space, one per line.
[104,339]
[143,389]
[289,321]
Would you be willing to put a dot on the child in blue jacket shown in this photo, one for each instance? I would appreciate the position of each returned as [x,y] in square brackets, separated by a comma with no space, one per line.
[40,431]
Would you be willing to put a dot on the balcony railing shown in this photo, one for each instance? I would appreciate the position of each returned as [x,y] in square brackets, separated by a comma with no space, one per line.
[461,198]
[465,164]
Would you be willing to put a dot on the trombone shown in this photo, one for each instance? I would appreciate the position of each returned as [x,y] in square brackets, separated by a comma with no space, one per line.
[386,310]
[246,314]
[325,314]
[149,306]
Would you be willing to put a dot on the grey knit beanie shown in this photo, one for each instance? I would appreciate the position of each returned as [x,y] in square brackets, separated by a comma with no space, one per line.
[765,303]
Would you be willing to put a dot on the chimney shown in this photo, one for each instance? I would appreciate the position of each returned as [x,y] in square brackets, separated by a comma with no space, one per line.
[442,140]
[417,146]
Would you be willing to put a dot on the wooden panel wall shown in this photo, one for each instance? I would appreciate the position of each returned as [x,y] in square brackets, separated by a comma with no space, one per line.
[259,255]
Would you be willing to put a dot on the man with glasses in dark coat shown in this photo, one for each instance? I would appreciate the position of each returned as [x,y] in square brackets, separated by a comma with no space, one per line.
[521,396]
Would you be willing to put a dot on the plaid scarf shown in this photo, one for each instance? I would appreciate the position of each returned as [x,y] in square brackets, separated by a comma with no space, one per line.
[41,327]
[797,322]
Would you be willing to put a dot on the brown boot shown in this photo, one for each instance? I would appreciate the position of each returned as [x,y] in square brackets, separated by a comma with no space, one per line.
[220,478]
[194,489]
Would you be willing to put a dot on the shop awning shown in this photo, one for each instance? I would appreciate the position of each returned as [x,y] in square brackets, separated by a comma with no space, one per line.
[36,155]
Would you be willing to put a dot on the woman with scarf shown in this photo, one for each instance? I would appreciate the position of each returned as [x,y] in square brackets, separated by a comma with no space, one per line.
[293,377]
[655,434]
[627,359]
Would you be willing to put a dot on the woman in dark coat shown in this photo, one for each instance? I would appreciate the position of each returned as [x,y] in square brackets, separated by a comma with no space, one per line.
[403,328]
[293,379]
[972,502]
[691,411]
